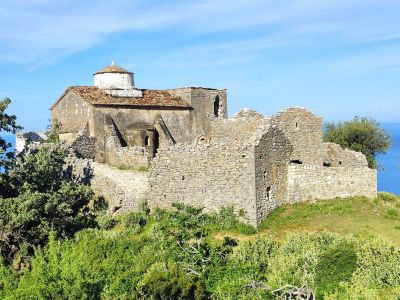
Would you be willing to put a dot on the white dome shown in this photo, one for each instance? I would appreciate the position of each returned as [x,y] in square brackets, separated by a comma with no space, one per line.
[114,77]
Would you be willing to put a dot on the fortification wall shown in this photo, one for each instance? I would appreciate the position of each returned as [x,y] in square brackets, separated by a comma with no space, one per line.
[124,190]
[272,154]
[304,131]
[205,176]
[317,182]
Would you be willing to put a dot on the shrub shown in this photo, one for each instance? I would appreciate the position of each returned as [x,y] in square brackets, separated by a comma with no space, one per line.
[387,197]
[163,281]
[335,266]
[392,213]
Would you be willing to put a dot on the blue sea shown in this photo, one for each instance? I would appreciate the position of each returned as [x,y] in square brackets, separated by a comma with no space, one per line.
[388,177]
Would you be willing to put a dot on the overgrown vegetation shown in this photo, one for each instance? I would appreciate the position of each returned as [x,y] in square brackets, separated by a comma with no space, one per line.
[38,196]
[173,255]
[360,134]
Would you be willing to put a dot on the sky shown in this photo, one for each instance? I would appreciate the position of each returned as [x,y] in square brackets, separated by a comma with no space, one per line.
[338,58]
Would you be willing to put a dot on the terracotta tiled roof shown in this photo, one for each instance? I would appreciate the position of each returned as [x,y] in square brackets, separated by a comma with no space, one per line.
[113,69]
[150,98]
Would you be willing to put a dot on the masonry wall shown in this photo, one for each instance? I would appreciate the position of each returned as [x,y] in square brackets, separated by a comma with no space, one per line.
[272,154]
[123,157]
[206,176]
[317,182]
[178,123]
[202,100]
[124,190]
[73,113]
[304,131]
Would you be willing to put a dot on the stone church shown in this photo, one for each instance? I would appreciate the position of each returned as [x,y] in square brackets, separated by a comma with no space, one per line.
[178,145]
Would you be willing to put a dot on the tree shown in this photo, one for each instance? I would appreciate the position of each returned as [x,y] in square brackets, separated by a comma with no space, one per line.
[8,123]
[360,134]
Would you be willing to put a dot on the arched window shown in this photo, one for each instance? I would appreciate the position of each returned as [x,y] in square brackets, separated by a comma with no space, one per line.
[216,106]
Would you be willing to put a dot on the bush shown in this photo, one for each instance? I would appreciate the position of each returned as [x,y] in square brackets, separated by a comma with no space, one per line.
[164,281]
[335,267]
[387,197]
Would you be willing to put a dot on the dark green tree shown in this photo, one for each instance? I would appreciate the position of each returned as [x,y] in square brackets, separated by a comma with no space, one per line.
[8,123]
[39,198]
[360,134]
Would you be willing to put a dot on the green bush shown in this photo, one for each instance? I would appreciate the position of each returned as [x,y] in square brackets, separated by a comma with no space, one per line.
[392,213]
[387,197]
[335,266]
[163,281]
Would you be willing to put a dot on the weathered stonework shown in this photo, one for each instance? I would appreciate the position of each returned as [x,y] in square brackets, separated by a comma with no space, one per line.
[196,154]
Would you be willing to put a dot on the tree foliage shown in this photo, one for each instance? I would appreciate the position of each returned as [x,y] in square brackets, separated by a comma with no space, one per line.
[360,134]
[38,197]
[8,123]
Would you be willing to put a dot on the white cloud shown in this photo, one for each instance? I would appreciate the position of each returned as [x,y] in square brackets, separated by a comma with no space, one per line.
[38,31]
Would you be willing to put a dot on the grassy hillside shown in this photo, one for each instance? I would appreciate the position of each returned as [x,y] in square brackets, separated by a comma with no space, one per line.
[359,216]
[184,253]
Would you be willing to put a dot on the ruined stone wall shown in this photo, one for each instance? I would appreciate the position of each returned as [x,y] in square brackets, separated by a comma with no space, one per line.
[272,153]
[304,131]
[202,100]
[123,157]
[124,190]
[178,124]
[335,156]
[84,146]
[73,114]
[317,182]
[206,176]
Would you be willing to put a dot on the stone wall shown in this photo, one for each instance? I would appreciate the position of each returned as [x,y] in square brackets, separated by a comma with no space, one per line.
[124,190]
[123,157]
[317,182]
[205,176]
[84,146]
[178,123]
[272,153]
[304,131]
[335,156]
[203,100]
[73,113]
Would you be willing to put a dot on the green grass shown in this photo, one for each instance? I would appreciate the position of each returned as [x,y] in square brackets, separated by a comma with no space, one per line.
[358,215]
[142,168]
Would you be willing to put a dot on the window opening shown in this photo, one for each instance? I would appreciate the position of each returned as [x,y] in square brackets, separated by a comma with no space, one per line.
[268,193]
[216,106]
[296,162]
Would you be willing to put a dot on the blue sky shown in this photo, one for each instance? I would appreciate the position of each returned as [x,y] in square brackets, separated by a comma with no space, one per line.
[338,58]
